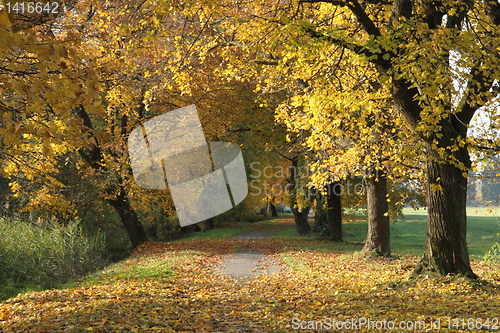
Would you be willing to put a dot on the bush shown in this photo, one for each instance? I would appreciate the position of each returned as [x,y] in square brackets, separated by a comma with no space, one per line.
[493,255]
[46,254]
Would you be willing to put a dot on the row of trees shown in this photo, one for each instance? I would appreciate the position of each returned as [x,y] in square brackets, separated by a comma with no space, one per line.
[485,186]
[386,91]
[77,83]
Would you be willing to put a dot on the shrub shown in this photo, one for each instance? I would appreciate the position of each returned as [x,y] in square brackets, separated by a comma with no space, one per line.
[493,255]
[46,254]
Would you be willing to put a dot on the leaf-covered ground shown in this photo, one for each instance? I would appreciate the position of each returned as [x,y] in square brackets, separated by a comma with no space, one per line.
[172,287]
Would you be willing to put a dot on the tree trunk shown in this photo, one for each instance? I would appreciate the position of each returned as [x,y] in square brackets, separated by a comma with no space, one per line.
[320,218]
[378,237]
[121,202]
[191,228]
[446,249]
[300,217]
[445,245]
[208,224]
[301,223]
[334,230]
[129,218]
[263,211]
[274,212]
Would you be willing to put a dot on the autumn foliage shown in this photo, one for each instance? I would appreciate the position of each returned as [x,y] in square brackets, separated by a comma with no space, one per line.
[401,95]
[175,287]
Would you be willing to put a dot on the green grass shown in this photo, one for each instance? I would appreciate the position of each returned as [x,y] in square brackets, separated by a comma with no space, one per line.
[214,234]
[483,230]
[293,262]
[234,229]
[407,238]
[407,235]
[149,267]
[38,256]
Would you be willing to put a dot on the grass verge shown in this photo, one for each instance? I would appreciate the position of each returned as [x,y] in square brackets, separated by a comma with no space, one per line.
[45,255]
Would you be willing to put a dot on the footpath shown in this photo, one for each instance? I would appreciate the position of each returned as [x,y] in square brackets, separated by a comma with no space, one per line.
[246,264]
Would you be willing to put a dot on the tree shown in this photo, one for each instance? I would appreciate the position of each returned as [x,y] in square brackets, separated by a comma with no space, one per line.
[419,49]
[334,211]
[490,186]
[54,101]
[114,83]
[76,88]
[296,88]
[300,198]
[378,237]
[423,93]
[350,130]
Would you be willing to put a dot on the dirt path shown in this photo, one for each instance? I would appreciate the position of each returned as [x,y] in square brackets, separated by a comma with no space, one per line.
[246,264]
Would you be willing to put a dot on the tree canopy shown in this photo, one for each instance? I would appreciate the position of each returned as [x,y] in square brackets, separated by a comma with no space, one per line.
[363,88]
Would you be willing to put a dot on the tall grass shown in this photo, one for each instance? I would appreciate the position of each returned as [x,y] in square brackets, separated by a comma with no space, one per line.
[44,255]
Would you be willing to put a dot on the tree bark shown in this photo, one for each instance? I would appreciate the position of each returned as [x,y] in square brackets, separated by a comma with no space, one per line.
[301,223]
[378,237]
[274,212]
[263,211]
[334,215]
[121,202]
[320,218]
[300,217]
[129,218]
[446,249]
[445,245]
[208,224]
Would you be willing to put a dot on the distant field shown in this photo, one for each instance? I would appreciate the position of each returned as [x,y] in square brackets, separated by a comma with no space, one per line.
[483,227]
[471,211]
[408,235]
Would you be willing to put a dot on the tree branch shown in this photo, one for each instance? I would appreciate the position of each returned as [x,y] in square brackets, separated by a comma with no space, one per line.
[357,10]
[286,157]
[358,49]
[363,18]
[494,145]
[268,63]
[497,148]
[477,85]
[461,10]
[94,157]
[493,11]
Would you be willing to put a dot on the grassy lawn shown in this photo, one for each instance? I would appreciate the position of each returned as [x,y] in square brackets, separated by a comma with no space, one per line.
[231,229]
[214,234]
[408,235]
[172,287]
[151,267]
